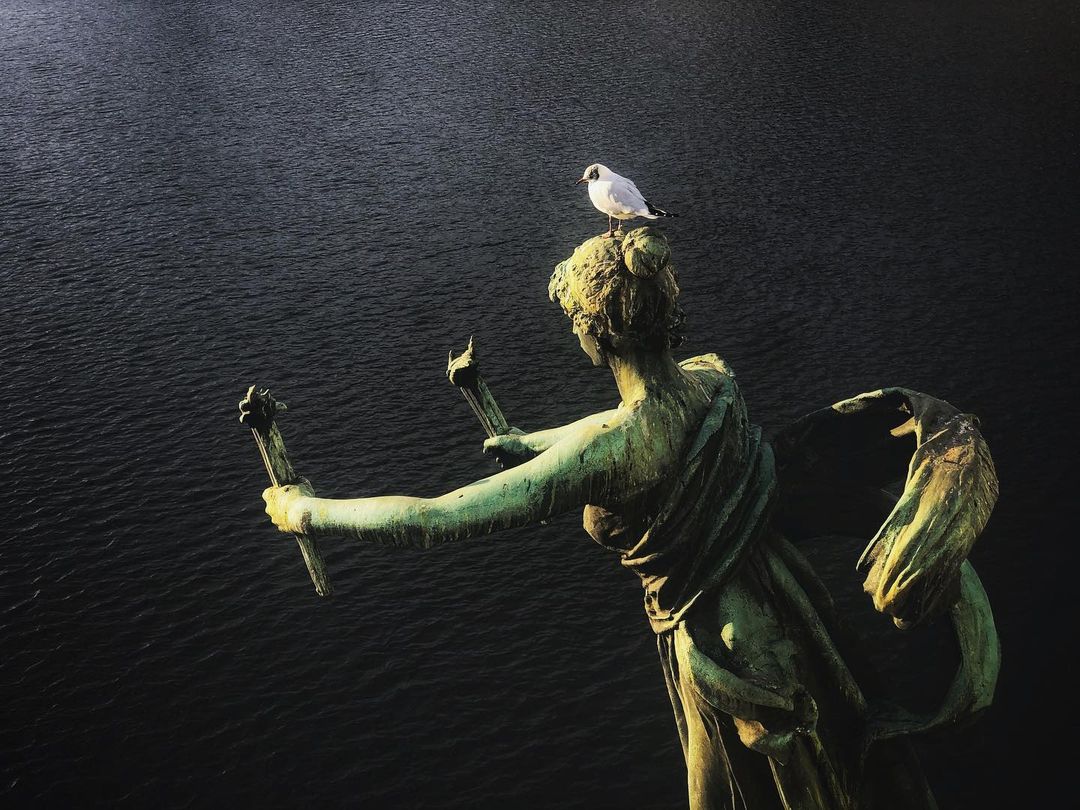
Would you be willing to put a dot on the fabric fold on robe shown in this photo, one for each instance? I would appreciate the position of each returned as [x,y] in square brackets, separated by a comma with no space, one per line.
[745,628]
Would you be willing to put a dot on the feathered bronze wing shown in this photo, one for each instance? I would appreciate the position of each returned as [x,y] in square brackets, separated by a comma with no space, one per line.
[839,468]
[835,464]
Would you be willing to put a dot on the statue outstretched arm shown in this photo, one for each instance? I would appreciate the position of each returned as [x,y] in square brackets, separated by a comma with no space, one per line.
[589,464]
[531,444]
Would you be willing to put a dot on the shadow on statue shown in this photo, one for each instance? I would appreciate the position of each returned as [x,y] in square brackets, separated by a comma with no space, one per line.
[774,703]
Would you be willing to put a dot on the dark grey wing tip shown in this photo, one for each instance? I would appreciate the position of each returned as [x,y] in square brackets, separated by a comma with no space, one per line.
[658,212]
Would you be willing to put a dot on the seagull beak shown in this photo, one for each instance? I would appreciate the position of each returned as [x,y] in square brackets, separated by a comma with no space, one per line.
[579,182]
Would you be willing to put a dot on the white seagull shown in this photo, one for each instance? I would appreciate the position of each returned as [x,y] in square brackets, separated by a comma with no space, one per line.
[617,196]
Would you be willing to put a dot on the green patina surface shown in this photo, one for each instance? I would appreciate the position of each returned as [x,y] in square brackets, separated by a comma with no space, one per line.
[678,481]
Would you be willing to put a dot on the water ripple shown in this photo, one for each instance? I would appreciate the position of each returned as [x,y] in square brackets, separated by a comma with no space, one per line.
[327,197]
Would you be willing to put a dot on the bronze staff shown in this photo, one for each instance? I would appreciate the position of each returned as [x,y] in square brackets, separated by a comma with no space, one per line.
[464,372]
[257,411]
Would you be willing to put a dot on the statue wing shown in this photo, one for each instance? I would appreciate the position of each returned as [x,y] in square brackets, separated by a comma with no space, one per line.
[835,462]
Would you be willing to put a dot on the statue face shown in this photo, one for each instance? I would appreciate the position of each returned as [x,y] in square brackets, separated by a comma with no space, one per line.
[591,348]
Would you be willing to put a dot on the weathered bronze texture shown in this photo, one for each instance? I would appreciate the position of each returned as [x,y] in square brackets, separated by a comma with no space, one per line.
[770,704]
[258,410]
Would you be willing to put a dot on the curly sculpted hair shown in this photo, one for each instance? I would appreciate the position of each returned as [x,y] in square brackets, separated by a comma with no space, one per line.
[622,292]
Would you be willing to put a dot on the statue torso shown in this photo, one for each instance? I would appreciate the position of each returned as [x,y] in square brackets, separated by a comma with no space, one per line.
[619,525]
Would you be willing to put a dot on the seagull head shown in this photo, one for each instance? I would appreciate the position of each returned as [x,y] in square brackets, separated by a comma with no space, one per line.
[594,171]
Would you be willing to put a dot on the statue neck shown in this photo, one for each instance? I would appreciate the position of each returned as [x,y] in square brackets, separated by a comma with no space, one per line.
[639,374]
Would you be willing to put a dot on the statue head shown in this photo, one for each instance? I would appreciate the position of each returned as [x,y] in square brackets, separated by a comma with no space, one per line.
[621,294]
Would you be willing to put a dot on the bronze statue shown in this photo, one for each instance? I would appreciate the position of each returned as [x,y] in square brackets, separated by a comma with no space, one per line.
[683,487]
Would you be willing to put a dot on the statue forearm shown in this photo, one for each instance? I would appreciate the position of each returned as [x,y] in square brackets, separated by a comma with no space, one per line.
[542,440]
[581,468]
[388,520]
[407,522]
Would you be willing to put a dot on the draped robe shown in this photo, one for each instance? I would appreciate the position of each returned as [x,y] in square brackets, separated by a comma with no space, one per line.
[768,710]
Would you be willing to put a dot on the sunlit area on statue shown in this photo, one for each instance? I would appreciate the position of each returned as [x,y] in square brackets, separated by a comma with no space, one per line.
[537,405]
[679,483]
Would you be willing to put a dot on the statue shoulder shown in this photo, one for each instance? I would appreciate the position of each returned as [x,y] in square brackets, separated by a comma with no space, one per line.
[710,365]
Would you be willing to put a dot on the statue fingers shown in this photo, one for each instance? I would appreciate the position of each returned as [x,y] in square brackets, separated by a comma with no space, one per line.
[278,501]
[498,444]
[303,485]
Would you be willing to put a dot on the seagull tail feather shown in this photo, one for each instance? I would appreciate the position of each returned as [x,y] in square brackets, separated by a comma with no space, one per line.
[658,212]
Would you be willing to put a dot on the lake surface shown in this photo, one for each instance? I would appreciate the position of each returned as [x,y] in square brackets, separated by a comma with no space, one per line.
[327,197]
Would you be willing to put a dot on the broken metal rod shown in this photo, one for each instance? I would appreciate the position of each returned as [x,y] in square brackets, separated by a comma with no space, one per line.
[464,372]
[257,411]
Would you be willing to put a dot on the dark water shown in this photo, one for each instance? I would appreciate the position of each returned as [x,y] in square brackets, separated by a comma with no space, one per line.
[325,198]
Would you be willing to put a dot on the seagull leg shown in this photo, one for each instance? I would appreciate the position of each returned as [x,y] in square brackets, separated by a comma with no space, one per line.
[610,230]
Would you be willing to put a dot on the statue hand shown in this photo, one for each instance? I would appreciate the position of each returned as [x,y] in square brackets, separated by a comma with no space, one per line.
[508,449]
[287,506]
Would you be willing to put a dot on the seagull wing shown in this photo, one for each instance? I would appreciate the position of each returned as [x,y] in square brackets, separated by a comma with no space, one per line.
[633,188]
[625,197]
